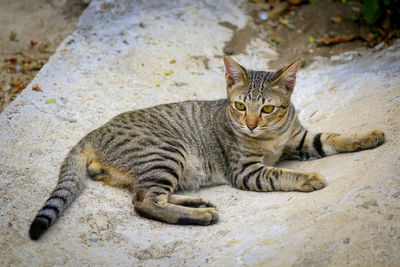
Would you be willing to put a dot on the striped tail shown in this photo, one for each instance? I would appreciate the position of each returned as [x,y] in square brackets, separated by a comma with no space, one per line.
[70,184]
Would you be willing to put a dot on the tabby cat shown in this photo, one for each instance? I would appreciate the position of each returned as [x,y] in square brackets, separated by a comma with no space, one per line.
[158,151]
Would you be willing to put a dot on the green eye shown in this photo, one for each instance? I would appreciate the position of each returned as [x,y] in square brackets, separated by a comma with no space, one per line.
[268,109]
[240,106]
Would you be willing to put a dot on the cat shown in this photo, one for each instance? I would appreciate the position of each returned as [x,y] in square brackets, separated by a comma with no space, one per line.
[157,151]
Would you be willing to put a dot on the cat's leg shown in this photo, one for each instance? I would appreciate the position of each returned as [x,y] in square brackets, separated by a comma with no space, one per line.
[190,201]
[155,203]
[254,176]
[307,145]
[100,171]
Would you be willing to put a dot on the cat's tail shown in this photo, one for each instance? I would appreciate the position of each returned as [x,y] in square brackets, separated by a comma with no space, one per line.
[71,181]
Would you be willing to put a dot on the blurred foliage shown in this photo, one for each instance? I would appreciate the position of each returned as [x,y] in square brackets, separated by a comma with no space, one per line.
[374,9]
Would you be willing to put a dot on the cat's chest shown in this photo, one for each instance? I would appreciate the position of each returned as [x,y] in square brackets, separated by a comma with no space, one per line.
[270,158]
[272,153]
[270,149]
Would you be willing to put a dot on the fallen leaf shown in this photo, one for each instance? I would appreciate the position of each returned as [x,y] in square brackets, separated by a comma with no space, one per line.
[16,82]
[42,48]
[12,60]
[158,84]
[336,19]
[327,40]
[50,101]
[142,25]
[36,67]
[172,61]
[13,36]
[63,50]
[167,73]
[16,90]
[33,43]
[36,88]
[311,39]
[284,21]
[22,103]
[8,67]
[275,40]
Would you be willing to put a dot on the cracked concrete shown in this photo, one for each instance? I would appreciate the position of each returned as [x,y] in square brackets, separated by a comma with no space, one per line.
[111,64]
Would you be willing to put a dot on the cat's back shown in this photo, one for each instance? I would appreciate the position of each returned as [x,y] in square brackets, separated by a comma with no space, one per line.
[185,119]
[191,132]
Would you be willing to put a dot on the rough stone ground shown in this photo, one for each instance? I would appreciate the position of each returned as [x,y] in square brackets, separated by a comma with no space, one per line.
[111,64]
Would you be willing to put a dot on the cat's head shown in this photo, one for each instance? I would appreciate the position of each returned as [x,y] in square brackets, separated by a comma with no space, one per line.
[258,100]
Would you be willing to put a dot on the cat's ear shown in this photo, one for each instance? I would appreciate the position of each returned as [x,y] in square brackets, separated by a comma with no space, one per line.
[234,73]
[285,78]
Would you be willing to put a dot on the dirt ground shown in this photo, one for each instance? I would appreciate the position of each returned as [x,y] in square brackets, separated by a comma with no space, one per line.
[30,33]
[303,31]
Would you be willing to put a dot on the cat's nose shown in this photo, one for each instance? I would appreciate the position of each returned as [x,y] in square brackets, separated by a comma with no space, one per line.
[251,126]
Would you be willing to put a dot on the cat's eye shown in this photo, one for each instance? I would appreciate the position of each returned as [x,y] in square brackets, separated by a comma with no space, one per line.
[268,109]
[240,106]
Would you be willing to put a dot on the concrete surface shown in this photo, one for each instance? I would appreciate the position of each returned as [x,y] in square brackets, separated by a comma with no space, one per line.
[111,64]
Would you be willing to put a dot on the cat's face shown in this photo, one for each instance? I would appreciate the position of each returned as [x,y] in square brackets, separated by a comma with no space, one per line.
[258,101]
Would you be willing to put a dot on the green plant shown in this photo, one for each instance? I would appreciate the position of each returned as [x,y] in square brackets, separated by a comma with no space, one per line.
[374,9]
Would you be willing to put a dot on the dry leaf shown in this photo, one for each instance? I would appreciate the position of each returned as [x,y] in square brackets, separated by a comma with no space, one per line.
[16,82]
[13,36]
[327,40]
[284,21]
[336,19]
[36,88]
[42,48]
[33,43]
[16,90]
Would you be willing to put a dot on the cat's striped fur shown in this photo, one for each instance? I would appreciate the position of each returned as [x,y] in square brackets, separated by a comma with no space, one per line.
[184,146]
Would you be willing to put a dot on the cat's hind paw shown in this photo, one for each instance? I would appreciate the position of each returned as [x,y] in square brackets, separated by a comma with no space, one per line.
[311,181]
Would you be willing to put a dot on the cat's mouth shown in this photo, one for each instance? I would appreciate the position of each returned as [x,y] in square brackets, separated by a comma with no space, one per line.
[243,129]
[256,132]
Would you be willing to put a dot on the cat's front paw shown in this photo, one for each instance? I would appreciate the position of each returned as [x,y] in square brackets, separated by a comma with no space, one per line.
[373,139]
[311,181]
